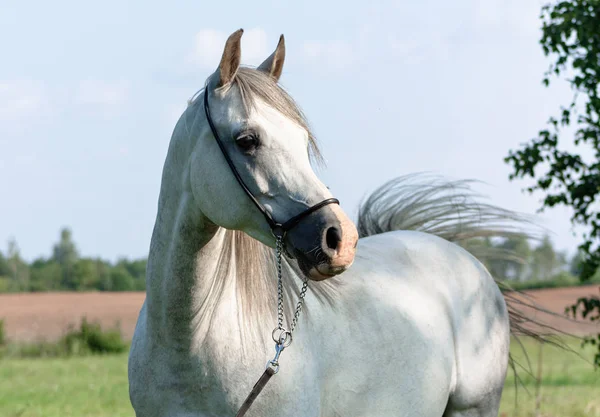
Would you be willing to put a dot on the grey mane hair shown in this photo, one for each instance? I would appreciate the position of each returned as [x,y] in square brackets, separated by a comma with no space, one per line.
[244,261]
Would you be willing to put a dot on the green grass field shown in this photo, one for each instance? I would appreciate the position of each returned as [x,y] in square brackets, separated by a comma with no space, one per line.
[96,386]
[570,387]
[66,387]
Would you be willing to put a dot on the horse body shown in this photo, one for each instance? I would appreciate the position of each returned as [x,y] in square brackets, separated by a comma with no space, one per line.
[415,327]
[418,327]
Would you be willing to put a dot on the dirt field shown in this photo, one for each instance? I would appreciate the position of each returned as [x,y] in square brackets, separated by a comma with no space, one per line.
[46,316]
[555,300]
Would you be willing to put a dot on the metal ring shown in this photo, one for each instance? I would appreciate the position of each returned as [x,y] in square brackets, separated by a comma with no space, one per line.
[287,340]
[278,336]
[284,337]
[276,339]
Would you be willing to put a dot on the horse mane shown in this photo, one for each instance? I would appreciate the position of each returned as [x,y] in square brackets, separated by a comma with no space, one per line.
[252,265]
[244,261]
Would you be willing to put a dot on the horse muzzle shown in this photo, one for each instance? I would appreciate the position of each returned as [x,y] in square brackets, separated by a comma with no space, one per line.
[324,243]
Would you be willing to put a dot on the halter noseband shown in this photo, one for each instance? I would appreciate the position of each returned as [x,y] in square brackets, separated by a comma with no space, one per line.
[278,229]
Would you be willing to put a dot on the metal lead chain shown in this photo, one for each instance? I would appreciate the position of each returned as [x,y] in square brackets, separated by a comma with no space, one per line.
[299,305]
[279,250]
[281,336]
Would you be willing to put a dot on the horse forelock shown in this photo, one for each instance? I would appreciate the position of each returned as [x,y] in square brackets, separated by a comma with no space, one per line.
[256,86]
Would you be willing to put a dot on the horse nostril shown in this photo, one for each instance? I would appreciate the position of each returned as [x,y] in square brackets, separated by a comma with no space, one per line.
[333,237]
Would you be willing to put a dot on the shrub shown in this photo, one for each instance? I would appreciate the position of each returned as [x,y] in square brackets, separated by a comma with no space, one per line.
[33,350]
[2,333]
[90,338]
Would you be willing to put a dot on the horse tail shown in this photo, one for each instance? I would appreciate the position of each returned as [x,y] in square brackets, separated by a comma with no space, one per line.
[452,210]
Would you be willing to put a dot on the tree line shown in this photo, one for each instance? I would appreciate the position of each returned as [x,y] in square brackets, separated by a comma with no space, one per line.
[66,270]
[516,259]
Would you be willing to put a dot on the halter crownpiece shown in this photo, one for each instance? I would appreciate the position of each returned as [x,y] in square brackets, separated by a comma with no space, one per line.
[278,229]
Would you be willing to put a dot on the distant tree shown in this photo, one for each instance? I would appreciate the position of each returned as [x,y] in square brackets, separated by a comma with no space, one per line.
[103,269]
[516,268]
[564,174]
[545,262]
[137,270]
[85,274]
[4,266]
[46,275]
[65,254]
[18,270]
[576,264]
[506,259]
[121,280]
[14,258]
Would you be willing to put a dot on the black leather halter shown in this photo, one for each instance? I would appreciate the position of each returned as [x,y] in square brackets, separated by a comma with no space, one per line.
[278,229]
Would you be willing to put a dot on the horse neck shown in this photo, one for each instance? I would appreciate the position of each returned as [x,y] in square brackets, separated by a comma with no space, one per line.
[191,278]
[192,281]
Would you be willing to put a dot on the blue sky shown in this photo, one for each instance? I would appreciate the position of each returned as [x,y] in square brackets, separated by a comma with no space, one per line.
[90,93]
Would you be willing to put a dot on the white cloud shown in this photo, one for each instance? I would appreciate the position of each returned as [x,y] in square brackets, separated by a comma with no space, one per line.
[209,44]
[101,93]
[330,54]
[20,98]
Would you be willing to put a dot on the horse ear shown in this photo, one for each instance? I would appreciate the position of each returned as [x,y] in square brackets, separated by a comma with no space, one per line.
[230,61]
[273,65]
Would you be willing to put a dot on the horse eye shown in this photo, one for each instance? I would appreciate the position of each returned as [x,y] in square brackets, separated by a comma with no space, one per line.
[247,142]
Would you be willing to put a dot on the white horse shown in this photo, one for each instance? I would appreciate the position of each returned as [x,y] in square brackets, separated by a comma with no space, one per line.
[403,323]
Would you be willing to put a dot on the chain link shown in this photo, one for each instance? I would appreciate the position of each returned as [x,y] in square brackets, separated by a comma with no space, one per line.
[299,305]
[279,250]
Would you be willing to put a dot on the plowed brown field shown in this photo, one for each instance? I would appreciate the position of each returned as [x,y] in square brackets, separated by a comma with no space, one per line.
[46,316]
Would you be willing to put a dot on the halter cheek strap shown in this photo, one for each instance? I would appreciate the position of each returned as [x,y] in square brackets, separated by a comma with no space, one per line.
[278,229]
